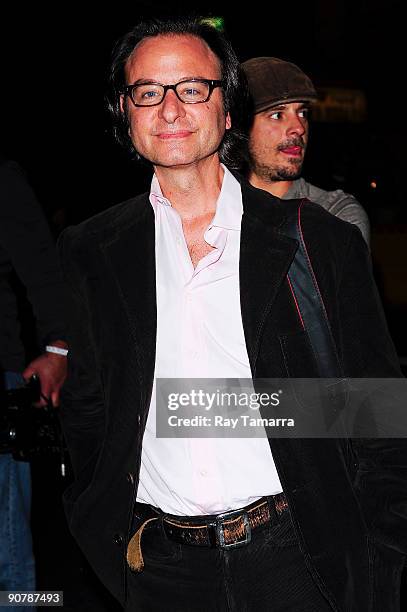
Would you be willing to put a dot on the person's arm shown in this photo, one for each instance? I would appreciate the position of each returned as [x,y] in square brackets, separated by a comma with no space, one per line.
[365,344]
[82,410]
[25,236]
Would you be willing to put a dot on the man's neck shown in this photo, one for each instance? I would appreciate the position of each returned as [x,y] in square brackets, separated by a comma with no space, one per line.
[192,190]
[276,188]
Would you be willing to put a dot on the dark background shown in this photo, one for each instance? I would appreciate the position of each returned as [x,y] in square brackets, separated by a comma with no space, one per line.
[53,121]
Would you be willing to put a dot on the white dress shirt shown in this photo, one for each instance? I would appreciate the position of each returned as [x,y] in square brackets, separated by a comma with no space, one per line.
[200,335]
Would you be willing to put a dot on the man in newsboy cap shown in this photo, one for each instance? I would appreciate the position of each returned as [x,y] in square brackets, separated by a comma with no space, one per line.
[282,95]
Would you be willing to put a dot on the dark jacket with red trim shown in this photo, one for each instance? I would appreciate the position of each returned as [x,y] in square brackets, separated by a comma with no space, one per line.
[342,497]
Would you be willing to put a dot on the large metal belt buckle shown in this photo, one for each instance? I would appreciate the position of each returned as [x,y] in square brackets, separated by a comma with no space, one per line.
[219,527]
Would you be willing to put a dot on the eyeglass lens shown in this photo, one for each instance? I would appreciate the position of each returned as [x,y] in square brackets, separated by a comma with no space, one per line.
[148,94]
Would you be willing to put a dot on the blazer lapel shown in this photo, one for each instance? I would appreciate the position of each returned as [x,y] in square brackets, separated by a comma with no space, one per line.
[131,256]
[265,258]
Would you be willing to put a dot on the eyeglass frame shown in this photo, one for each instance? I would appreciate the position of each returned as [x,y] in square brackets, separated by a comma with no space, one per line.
[212,84]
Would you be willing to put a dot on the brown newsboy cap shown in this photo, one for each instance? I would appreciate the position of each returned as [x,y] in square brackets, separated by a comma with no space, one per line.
[273,81]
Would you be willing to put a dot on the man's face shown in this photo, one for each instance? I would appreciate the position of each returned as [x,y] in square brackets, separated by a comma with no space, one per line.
[278,140]
[173,133]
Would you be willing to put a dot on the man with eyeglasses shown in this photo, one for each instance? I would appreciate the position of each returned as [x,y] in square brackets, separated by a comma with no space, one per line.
[189,281]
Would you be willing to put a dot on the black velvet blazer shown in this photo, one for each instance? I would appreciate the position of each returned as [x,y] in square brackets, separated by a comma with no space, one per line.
[342,496]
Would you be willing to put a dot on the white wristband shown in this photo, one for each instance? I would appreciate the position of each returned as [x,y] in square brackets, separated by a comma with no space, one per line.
[57,350]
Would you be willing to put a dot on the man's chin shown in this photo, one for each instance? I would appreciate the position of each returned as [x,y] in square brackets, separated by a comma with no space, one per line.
[173,161]
[288,175]
[290,171]
[278,173]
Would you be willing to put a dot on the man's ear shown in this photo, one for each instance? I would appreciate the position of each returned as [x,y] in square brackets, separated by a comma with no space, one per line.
[228,122]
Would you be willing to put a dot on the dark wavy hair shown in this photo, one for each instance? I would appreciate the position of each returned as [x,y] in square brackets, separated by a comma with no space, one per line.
[233,148]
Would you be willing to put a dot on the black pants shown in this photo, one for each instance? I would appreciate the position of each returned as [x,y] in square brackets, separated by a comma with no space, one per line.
[266,575]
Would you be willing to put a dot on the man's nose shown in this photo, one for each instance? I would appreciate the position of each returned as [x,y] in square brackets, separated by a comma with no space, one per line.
[296,126]
[171,108]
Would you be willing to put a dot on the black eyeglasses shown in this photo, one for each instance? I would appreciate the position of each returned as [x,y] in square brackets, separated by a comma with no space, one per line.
[193,91]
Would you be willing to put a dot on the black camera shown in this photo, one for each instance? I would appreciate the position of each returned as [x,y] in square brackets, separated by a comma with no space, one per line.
[26,430]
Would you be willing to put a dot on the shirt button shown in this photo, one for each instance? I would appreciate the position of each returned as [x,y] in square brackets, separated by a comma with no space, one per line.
[118,539]
[203,473]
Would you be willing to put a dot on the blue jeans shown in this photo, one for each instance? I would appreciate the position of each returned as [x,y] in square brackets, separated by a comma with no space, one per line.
[17,569]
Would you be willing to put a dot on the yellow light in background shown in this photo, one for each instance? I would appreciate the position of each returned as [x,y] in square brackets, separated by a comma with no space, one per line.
[216,22]
[373,184]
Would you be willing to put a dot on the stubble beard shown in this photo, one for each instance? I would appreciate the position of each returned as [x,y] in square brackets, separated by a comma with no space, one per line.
[273,174]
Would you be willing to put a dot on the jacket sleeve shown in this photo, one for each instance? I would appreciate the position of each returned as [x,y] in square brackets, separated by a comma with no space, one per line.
[82,410]
[381,478]
[25,236]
